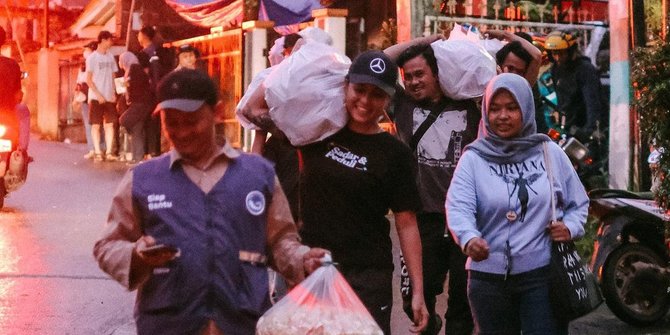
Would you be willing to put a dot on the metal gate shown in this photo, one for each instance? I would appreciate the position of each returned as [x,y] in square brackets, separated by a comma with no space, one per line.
[591,34]
[221,55]
[70,121]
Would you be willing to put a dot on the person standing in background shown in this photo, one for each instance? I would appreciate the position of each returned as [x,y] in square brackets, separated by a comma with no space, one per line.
[187,57]
[436,128]
[277,148]
[80,99]
[146,37]
[100,69]
[520,56]
[139,101]
[577,84]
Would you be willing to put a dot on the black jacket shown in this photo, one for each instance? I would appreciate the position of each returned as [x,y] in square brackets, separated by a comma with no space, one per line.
[578,92]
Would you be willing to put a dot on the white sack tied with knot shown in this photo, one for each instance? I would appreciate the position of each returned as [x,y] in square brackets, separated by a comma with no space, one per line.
[464,66]
[305,93]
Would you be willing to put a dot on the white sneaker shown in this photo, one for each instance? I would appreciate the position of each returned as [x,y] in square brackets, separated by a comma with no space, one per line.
[89,155]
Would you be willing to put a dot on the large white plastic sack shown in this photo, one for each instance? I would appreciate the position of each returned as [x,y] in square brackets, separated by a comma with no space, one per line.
[464,68]
[316,34]
[249,104]
[305,93]
[465,32]
[492,46]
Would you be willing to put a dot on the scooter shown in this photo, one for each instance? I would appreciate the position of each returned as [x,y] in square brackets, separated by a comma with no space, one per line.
[586,158]
[13,164]
[632,255]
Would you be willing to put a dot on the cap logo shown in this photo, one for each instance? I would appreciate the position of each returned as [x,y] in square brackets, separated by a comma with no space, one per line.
[377,65]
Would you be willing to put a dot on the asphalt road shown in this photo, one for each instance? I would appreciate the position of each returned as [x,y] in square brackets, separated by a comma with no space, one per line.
[49,282]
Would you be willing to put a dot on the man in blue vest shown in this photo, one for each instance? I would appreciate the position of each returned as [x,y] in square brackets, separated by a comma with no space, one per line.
[194,229]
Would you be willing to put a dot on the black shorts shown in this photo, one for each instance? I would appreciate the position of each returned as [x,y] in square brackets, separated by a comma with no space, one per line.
[100,112]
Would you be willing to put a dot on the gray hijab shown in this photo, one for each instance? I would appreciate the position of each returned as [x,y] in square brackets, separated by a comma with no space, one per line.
[498,150]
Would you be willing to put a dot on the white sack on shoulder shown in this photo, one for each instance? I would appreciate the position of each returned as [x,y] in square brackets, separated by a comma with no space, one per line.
[249,101]
[492,46]
[464,68]
[305,93]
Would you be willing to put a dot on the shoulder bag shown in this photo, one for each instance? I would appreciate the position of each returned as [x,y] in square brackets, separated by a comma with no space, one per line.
[573,288]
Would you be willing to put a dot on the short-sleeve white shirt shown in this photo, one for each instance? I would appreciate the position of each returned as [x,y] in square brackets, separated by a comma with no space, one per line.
[103,67]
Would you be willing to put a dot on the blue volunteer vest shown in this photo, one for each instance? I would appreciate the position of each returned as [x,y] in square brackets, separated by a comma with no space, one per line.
[219,233]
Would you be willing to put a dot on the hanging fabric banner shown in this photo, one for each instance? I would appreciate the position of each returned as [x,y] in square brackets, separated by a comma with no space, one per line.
[207,13]
[287,12]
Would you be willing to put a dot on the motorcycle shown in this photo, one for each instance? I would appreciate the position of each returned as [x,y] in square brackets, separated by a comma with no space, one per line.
[13,163]
[586,158]
[632,255]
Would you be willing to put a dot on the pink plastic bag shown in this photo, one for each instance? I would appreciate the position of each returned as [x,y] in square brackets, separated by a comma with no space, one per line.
[323,304]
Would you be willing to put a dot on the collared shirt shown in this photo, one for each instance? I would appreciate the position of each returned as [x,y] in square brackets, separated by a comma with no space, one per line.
[114,249]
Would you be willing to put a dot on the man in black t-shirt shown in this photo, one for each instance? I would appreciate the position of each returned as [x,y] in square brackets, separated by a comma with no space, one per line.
[436,128]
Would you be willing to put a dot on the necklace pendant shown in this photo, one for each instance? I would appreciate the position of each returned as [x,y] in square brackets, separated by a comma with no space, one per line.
[511,215]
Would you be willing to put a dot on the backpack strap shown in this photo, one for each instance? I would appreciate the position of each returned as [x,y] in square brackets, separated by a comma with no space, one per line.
[432,117]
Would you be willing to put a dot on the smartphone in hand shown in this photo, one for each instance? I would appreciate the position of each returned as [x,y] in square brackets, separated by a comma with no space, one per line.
[158,249]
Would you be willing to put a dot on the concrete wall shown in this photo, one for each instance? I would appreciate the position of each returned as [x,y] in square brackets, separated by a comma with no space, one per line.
[47,93]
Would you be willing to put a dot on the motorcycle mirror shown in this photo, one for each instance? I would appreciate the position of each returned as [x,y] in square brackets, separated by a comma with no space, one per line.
[575,149]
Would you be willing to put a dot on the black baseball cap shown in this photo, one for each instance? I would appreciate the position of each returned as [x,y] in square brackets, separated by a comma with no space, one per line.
[376,68]
[186,90]
[188,48]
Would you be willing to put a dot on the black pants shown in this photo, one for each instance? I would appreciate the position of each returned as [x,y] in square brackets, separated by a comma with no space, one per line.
[441,255]
[375,289]
[152,133]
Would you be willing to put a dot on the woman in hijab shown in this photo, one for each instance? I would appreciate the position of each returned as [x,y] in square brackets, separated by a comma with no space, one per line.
[139,100]
[499,212]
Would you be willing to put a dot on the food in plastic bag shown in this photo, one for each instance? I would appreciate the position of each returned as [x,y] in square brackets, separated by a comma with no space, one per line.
[252,106]
[323,304]
[305,93]
[464,68]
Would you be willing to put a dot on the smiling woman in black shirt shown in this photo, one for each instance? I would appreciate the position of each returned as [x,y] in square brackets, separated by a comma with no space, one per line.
[351,180]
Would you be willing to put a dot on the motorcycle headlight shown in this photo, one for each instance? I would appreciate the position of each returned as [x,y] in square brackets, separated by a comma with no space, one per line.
[575,149]
[3,130]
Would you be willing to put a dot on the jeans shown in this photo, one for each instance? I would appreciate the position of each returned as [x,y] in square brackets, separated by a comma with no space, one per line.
[137,140]
[87,125]
[517,304]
